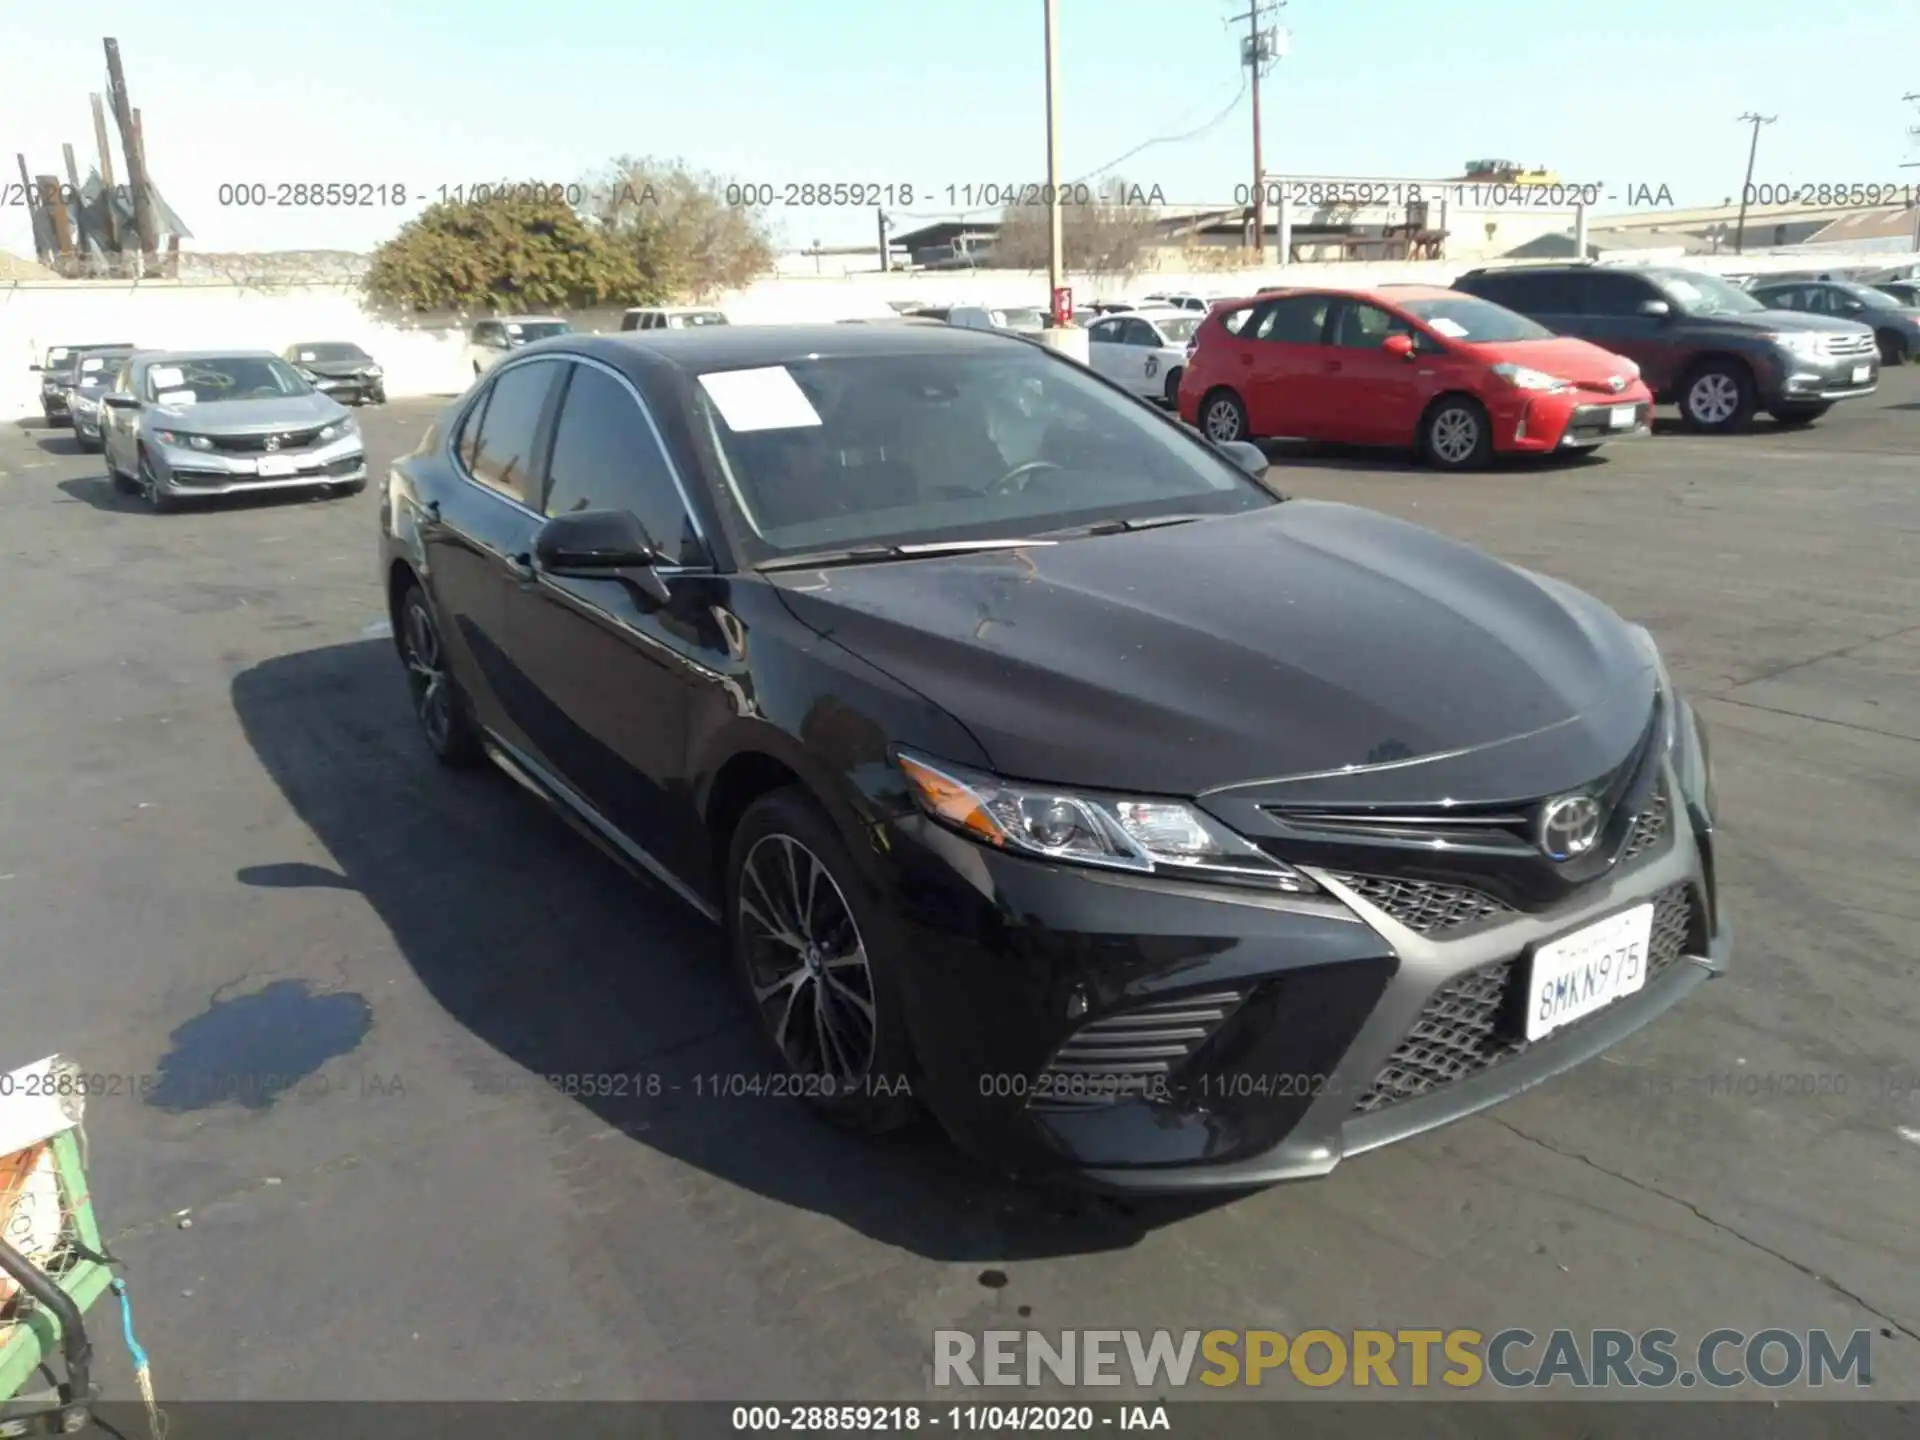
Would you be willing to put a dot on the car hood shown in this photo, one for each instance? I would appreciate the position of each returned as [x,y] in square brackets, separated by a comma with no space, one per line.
[1781,320]
[1298,641]
[1580,361]
[243,417]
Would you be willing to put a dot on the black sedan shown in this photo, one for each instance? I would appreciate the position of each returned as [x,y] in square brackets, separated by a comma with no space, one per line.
[340,370]
[1042,765]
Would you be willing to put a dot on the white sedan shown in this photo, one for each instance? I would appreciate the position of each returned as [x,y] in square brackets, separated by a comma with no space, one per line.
[1144,350]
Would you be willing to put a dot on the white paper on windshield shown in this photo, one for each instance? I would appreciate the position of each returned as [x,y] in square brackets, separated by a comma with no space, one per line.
[90,365]
[1452,329]
[306,355]
[769,399]
[166,377]
[175,397]
[513,330]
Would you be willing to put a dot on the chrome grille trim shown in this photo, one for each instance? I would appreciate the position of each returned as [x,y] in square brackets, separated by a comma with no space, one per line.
[1459,1031]
[1839,345]
[257,444]
[1426,907]
[1130,1051]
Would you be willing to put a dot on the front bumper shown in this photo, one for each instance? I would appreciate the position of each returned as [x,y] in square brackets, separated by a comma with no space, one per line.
[1295,1031]
[1820,380]
[53,404]
[353,389]
[183,471]
[1539,424]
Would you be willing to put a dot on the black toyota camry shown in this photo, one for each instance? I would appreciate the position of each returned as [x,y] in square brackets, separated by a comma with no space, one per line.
[1043,766]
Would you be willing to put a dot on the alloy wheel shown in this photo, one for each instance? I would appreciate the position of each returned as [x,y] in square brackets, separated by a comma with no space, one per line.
[1455,435]
[806,961]
[1223,421]
[1713,398]
[426,675]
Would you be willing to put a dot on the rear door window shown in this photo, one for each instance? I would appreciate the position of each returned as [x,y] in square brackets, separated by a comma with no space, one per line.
[503,457]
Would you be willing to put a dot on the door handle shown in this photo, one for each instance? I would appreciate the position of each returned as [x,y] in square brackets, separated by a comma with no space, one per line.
[521,568]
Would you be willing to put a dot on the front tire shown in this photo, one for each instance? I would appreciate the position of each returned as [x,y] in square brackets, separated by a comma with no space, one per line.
[1456,435]
[816,957]
[159,500]
[1893,347]
[1223,417]
[1717,398]
[1794,417]
[438,705]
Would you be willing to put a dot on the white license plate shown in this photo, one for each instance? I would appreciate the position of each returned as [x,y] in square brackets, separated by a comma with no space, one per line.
[271,465]
[1587,970]
[1860,374]
[1623,416]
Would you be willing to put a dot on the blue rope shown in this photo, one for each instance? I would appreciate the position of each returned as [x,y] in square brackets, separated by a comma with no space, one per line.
[119,1288]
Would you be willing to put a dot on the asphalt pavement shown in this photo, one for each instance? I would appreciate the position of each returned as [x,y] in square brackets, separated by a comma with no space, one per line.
[322,981]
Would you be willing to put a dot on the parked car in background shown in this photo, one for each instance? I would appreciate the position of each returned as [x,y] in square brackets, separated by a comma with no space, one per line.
[1456,378]
[1182,300]
[1023,744]
[1017,320]
[340,369]
[94,376]
[491,341]
[654,317]
[1896,326]
[1907,292]
[1701,343]
[194,424]
[57,369]
[1145,352]
[1108,307]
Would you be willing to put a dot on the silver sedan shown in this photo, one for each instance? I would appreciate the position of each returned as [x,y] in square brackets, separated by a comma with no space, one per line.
[185,424]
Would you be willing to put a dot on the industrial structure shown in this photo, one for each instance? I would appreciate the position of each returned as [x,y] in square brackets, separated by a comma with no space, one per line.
[103,226]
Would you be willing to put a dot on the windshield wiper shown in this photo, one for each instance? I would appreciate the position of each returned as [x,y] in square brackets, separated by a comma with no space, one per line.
[1144,522]
[877,554]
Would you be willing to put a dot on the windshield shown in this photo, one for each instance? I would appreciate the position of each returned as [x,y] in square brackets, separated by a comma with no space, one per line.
[1019,319]
[1178,328]
[525,333]
[210,381]
[96,370]
[915,448]
[328,354]
[1707,294]
[1478,322]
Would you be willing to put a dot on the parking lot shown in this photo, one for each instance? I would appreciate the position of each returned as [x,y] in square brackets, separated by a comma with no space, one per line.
[322,979]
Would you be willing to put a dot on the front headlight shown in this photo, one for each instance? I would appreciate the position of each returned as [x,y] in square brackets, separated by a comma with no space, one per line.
[1522,377]
[374,372]
[179,437]
[1627,367]
[1167,838]
[1800,342]
[335,431]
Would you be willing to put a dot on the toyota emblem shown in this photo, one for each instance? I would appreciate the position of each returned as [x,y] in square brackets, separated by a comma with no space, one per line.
[1617,383]
[1569,826]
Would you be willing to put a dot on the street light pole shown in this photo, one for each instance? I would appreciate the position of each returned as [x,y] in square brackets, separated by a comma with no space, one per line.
[1055,265]
[1753,149]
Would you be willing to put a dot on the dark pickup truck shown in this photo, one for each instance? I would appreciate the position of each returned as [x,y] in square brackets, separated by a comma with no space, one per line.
[1701,342]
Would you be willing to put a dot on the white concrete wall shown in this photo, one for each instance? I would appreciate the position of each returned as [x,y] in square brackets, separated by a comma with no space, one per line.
[424,358]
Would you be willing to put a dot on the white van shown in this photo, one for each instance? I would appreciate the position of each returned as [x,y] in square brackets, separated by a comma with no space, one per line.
[654,317]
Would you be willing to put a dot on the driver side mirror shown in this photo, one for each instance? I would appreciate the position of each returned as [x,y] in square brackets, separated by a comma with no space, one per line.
[120,400]
[1399,345]
[1248,456]
[602,545]
[1656,309]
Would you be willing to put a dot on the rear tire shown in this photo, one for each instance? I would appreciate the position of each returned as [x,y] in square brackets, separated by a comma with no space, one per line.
[438,706]
[1456,435]
[1717,398]
[1223,418]
[816,956]
[1794,417]
[1173,387]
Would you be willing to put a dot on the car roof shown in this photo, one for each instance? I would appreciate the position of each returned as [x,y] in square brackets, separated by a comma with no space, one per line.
[673,310]
[524,319]
[298,343]
[151,356]
[739,347]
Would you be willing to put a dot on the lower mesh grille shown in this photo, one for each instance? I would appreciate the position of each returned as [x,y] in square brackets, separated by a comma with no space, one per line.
[1425,906]
[1132,1052]
[1459,1033]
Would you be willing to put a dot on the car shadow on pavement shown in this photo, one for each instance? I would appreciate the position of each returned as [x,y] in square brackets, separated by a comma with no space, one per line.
[58,442]
[1325,455]
[97,491]
[566,966]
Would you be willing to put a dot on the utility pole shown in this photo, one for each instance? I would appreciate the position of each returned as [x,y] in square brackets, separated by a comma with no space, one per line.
[1256,50]
[1755,119]
[1913,134]
[1055,265]
[886,258]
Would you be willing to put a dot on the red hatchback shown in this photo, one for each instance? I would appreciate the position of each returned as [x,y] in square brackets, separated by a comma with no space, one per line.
[1457,378]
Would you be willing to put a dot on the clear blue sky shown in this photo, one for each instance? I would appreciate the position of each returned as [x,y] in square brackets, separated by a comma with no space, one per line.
[427,92]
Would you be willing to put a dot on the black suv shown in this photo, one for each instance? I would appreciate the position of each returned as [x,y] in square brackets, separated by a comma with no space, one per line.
[1701,342]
